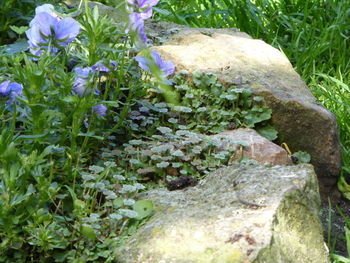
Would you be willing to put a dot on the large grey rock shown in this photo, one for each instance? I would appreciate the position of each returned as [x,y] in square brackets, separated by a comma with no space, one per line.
[239,60]
[255,147]
[236,214]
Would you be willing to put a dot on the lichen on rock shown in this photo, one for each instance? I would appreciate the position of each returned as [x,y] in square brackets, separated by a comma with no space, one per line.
[209,223]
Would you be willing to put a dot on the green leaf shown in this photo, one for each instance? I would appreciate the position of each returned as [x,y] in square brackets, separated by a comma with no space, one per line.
[30,137]
[15,48]
[19,198]
[302,157]
[19,30]
[162,11]
[88,231]
[70,99]
[118,203]
[79,204]
[10,152]
[143,208]
[343,187]
[91,135]
[257,98]
[268,132]
[347,237]
[96,169]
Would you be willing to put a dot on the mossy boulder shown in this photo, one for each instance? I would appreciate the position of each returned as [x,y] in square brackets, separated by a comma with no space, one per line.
[237,214]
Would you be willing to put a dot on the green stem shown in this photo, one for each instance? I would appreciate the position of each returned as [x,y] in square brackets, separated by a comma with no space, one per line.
[123,113]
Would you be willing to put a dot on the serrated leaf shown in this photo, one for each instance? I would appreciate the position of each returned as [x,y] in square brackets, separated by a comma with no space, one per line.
[19,30]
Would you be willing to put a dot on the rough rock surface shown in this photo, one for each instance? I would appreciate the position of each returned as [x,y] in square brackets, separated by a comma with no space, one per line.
[236,214]
[255,147]
[239,60]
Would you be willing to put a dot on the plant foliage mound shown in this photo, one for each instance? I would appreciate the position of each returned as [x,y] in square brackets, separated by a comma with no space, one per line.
[86,124]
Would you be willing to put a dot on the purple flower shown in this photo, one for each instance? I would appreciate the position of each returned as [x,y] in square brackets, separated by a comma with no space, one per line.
[15,89]
[4,88]
[48,8]
[47,26]
[99,67]
[11,90]
[80,85]
[82,77]
[83,72]
[137,25]
[139,11]
[100,110]
[166,67]
[144,5]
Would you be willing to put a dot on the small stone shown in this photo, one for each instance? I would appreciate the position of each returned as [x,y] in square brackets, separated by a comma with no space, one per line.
[257,148]
[181,183]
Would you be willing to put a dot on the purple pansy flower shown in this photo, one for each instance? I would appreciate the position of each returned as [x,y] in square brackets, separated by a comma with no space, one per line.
[47,8]
[4,88]
[137,25]
[45,26]
[11,90]
[139,11]
[99,67]
[145,5]
[166,67]
[100,110]
[81,81]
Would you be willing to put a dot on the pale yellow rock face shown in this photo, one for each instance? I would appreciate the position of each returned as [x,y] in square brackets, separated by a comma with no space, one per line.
[216,221]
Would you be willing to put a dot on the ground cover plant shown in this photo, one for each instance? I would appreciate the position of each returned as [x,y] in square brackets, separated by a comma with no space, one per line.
[89,117]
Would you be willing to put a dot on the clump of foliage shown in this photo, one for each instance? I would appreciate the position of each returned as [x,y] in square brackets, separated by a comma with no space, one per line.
[170,154]
[59,105]
[171,138]
[210,107]
[83,130]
